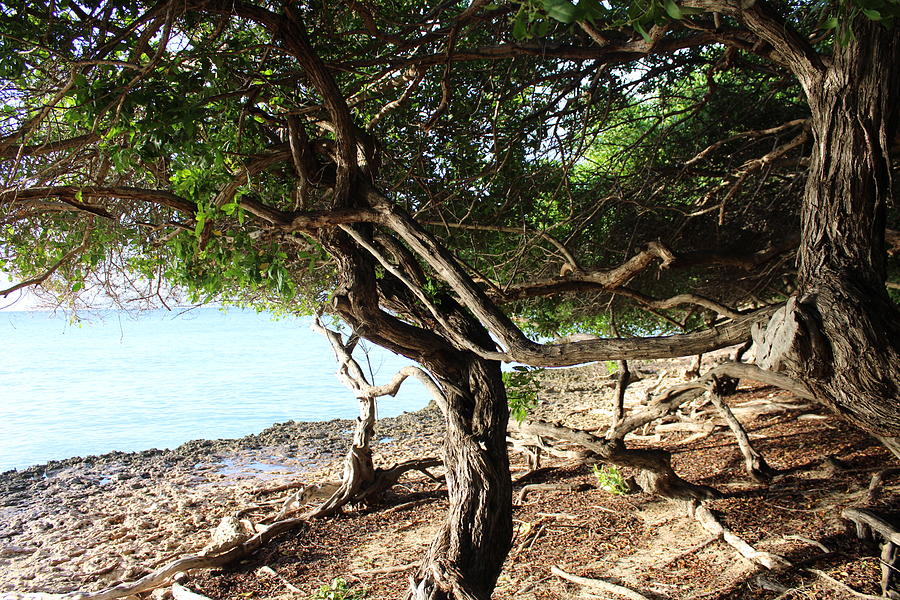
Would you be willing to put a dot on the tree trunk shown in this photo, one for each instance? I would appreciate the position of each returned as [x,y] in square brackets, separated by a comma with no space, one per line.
[467,554]
[841,334]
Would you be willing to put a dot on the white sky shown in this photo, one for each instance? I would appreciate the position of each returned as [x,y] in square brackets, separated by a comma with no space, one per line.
[18,300]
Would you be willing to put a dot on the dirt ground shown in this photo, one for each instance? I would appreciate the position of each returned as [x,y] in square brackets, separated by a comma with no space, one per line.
[644,543]
[649,545]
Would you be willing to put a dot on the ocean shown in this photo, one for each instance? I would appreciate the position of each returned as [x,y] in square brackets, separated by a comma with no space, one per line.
[130,382]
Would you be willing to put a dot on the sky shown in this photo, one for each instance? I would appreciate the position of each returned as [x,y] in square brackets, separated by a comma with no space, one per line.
[18,300]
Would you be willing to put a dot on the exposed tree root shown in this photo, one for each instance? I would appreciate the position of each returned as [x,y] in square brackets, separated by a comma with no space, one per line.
[599,584]
[876,482]
[868,524]
[656,473]
[679,395]
[393,569]
[535,487]
[756,465]
[714,526]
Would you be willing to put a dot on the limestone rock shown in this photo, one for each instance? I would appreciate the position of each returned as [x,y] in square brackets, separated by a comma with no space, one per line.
[230,532]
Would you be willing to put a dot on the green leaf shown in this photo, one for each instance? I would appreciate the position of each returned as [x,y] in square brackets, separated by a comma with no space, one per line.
[872,14]
[520,25]
[640,29]
[561,10]
[831,23]
[673,10]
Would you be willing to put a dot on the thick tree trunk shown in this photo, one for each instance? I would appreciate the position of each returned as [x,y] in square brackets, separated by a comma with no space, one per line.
[466,556]
[841,335]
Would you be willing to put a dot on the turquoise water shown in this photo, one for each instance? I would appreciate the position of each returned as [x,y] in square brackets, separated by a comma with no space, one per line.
[155,380]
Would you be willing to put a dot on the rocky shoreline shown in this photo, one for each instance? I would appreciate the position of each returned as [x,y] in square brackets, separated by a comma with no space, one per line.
[87,522]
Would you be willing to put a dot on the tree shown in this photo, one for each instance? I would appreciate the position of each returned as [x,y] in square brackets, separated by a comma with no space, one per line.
[440,176]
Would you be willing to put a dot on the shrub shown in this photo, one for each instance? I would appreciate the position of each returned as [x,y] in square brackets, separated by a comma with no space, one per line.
[338,590]
[609,478]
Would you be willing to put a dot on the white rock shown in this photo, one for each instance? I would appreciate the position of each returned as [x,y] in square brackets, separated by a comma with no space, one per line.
[229,533]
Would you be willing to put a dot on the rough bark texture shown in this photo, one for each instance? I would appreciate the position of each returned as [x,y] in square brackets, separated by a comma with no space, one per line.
[841,335]
[466,556]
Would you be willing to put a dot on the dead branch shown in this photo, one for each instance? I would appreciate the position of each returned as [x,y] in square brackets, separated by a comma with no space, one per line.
[751,134]
[515,346]
[270,572]
[563,250]
[842,587]
[678,300]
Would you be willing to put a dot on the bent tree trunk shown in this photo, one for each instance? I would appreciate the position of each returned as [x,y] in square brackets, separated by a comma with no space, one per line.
[467,554]
[841,335]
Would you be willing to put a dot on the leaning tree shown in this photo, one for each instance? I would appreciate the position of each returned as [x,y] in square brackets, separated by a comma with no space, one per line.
[450,179]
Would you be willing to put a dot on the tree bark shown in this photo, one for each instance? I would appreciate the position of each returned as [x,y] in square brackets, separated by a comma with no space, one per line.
[467,554]
[841,334]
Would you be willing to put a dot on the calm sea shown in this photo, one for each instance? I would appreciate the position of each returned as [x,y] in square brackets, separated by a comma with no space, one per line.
[117,381]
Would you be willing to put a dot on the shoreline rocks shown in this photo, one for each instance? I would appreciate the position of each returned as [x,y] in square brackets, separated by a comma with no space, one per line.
[85,523]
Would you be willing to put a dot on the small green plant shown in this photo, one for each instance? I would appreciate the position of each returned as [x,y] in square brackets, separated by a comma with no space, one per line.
[612,367]
[521,392]
[338,590]
[610,479]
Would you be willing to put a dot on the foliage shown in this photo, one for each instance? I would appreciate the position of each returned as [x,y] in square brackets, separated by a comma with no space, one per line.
[521,391]
[841,15]
[610,479]
[528,154]
[338,590]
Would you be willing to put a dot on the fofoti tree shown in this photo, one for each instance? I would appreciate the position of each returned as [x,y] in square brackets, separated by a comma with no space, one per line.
[456,181]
